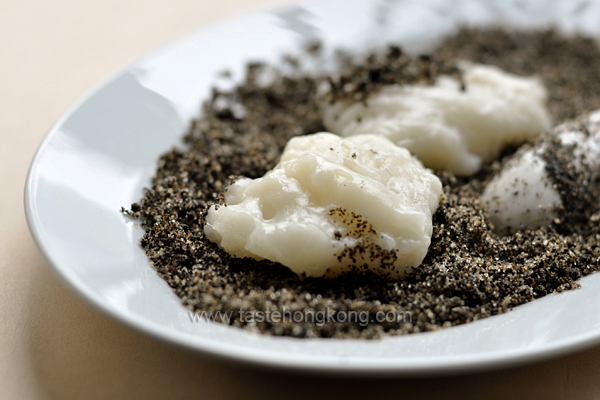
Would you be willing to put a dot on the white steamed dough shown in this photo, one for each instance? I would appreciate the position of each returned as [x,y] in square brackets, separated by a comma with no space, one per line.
[523,195]
[327,198]
[446,127]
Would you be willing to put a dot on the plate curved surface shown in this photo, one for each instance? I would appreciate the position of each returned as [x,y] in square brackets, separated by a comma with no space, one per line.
[102,153]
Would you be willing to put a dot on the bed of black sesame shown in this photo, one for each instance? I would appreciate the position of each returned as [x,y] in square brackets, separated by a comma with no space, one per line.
[468,274]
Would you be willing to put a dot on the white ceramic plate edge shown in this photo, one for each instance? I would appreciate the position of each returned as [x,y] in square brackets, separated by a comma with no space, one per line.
[390,367]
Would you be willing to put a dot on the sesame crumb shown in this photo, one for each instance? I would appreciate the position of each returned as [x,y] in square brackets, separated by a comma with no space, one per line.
[469,272]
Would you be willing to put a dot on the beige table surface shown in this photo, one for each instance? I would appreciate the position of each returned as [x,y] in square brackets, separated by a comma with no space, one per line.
[53,345]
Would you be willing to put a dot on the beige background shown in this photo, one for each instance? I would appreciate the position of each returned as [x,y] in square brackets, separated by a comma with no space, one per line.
[52,345]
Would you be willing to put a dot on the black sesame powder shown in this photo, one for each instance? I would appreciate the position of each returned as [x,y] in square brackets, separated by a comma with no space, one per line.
[469,273]
[575,184]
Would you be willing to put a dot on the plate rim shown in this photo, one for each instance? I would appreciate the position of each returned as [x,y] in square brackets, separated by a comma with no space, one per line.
[451,365]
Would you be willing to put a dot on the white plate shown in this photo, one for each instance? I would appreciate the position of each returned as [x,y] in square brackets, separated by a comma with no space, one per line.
[103,151]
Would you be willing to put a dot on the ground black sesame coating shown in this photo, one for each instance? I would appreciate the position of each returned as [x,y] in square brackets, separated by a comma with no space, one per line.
[356,81]
[468,274]
[576,184]
[568,67]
